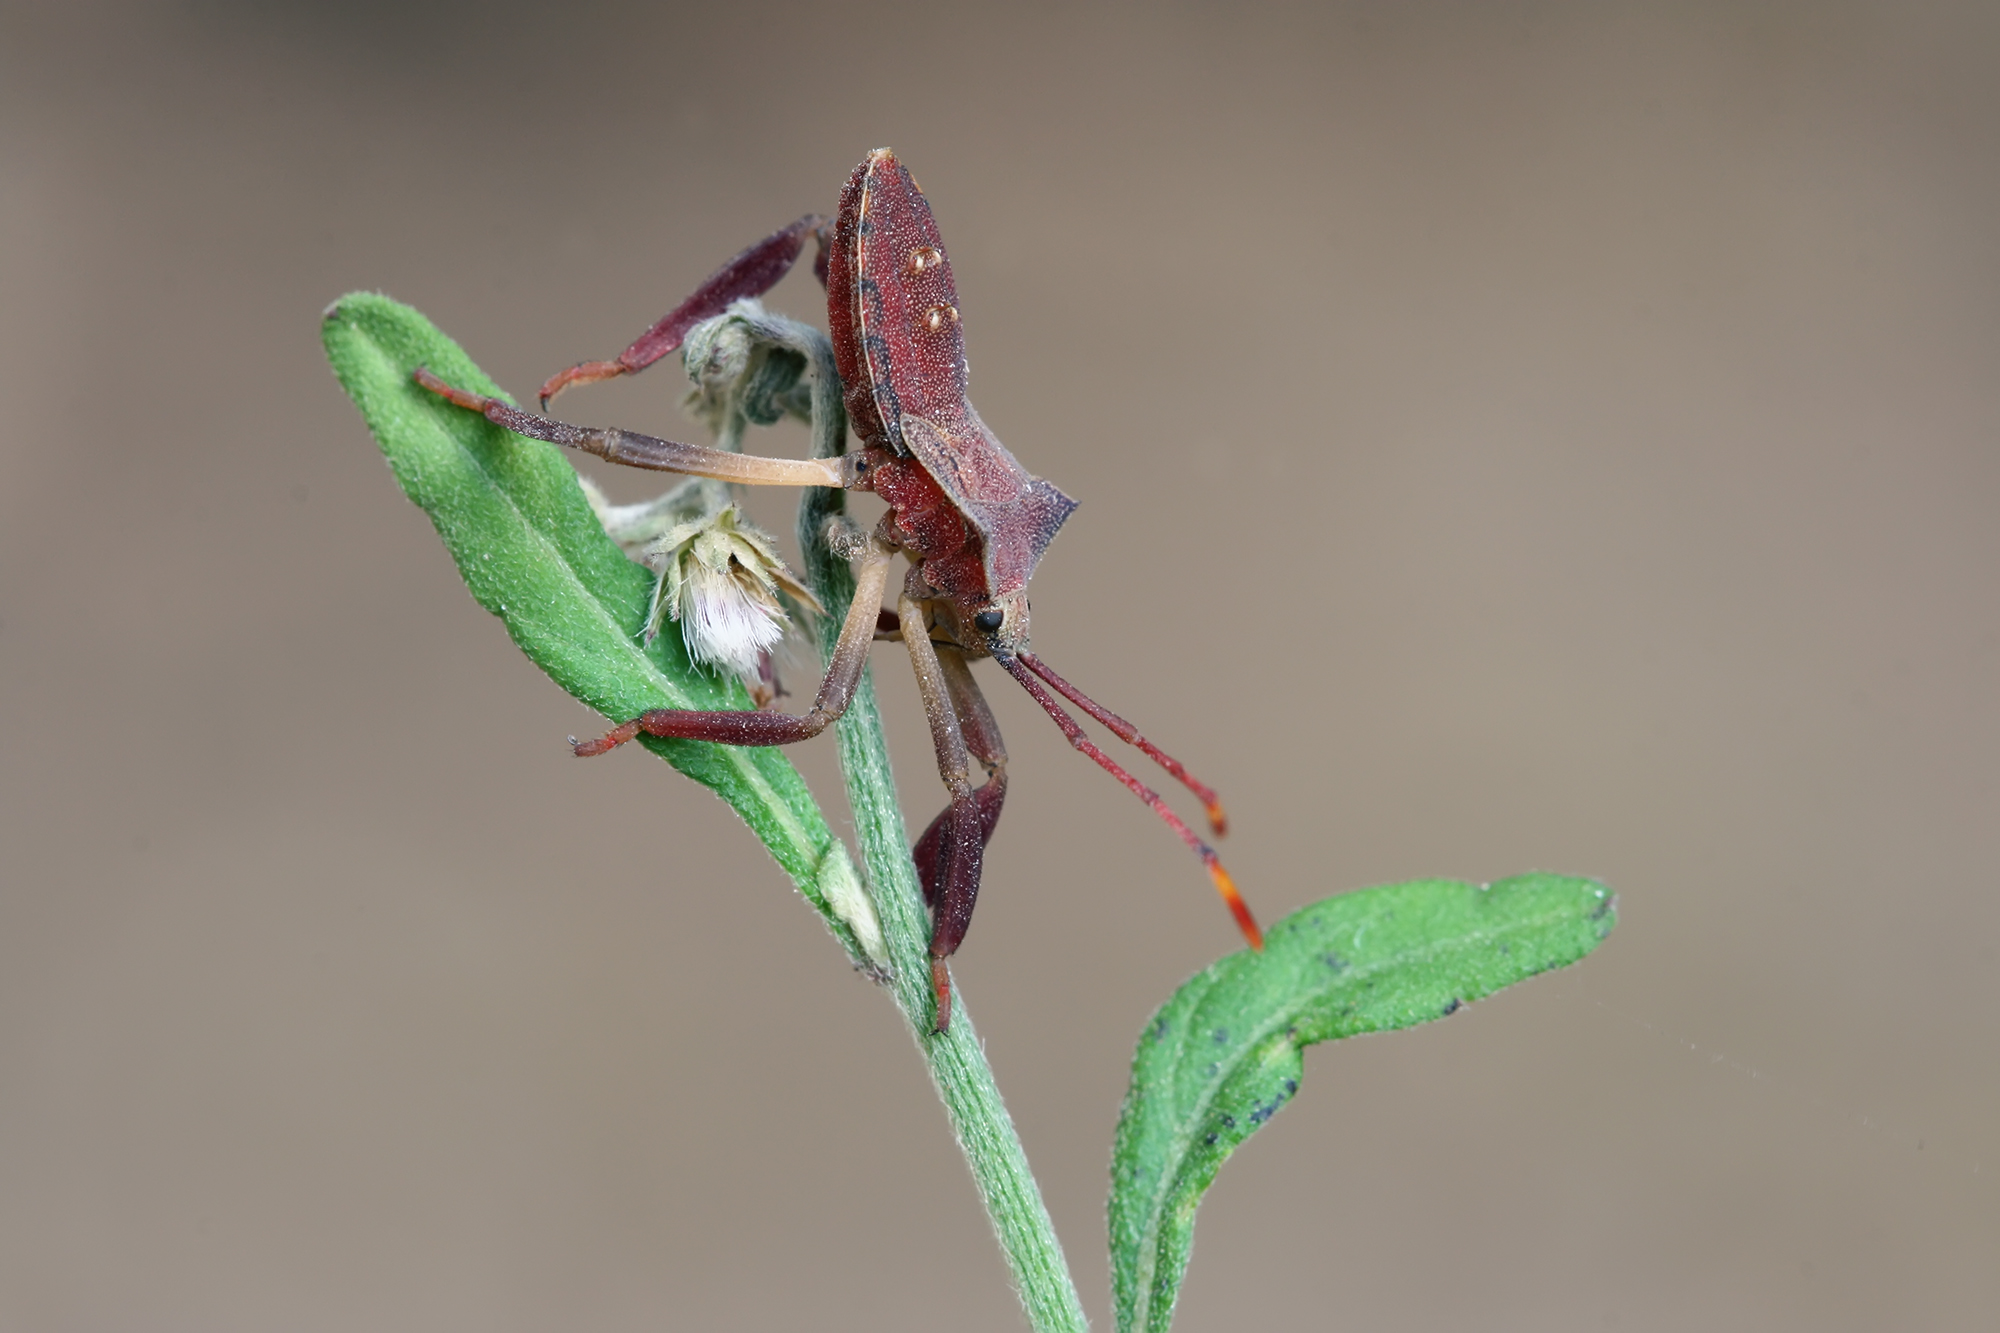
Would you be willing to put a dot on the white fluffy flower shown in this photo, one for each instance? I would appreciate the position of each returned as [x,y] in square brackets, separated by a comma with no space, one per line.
[721,579]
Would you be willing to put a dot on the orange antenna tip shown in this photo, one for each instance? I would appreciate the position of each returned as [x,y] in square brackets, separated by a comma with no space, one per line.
[1239,909]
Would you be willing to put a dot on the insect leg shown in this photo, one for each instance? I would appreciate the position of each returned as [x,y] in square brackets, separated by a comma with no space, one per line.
[1224,885]
[752,727]
[751,273]
[961,847]
[635,450]
[982,739]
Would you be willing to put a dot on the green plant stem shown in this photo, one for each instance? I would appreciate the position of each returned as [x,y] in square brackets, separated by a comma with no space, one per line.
[959,1071]
[958,1064]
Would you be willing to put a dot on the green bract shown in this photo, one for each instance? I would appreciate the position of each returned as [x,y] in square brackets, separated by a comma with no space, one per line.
[1225,1053]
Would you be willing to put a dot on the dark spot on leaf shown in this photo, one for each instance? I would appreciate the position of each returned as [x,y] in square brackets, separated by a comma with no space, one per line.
[1506,948]
[1229,1122]
[1214,1069]
[1334,961]
[1221,1036]
[1159,1030]
[1610,901]
[1451,1008]
[1213,1137]
[1265,1110]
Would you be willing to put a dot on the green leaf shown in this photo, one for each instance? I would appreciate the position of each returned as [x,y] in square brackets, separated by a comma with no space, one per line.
[512,515]
[1225,1053]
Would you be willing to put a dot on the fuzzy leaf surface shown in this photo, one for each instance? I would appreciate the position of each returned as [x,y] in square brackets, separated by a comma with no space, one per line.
[515,520]
[1225,1053]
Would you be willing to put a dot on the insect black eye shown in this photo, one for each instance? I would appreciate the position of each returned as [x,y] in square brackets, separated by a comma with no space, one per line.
[988,621]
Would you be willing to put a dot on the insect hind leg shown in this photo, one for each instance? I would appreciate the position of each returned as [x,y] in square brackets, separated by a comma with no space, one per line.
[951,854]
[751,273]
[982,740]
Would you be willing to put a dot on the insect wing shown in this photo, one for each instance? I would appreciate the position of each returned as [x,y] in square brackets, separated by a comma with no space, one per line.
[905,302]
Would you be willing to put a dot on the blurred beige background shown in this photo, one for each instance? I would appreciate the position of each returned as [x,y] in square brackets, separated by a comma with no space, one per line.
[1509,437]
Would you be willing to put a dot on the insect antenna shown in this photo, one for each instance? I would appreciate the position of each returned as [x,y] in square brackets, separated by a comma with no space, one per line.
[1125,731]
[1018,667]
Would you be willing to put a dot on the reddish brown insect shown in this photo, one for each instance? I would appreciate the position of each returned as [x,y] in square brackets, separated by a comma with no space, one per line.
[969,518]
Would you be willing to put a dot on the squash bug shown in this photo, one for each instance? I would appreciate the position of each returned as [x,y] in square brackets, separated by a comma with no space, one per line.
[972,522]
